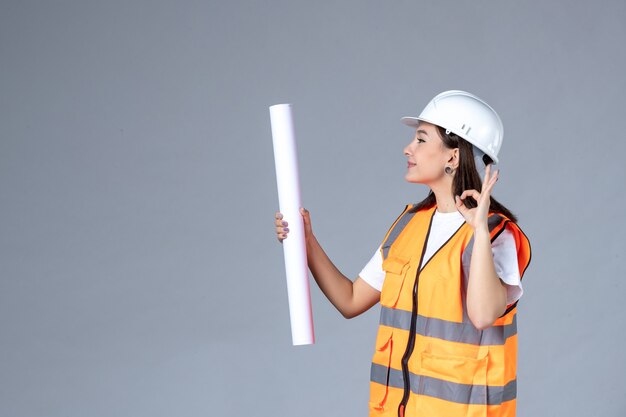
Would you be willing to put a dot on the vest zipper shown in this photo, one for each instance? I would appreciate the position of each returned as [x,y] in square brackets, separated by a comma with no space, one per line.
[411,343]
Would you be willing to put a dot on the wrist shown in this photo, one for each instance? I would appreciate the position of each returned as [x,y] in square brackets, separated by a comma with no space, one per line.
[482,231]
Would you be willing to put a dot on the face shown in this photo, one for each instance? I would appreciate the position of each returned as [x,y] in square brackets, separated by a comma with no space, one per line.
[427,156]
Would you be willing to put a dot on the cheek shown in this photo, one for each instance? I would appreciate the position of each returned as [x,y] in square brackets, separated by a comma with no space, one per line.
[429,166]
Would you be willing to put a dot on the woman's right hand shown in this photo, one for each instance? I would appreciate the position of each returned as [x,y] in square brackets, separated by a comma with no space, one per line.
[281,225]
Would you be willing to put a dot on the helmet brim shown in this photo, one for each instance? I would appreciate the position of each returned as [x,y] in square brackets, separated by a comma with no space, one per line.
[414,122]
[410,121]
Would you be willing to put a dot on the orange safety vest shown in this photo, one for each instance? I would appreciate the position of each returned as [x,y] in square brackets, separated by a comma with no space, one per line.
[430,360]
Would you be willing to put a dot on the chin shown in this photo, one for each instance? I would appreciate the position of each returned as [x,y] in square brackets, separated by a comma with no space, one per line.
[412,179]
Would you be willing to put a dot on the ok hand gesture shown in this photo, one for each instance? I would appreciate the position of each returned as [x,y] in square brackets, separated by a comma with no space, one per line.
[477,217]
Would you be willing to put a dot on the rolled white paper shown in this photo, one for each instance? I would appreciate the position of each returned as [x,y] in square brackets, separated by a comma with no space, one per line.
[294,247]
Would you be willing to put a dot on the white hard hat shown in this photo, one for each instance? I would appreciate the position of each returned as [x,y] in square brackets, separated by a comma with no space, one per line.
[468,117]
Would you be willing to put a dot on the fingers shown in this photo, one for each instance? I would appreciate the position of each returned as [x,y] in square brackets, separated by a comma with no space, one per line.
[490,180]
[279,221]
[459,204]
[486,177]
[281,227]
[470,193]
[488,183]
[495,176]
[305,215]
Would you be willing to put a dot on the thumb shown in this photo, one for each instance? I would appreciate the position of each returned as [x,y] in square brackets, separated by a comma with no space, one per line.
[459,204]
[305,214]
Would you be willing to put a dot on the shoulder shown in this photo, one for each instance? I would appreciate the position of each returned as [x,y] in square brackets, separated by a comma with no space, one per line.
[505,236]
[502,241]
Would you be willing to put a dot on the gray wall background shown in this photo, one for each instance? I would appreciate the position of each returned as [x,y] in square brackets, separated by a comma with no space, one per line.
[140,272]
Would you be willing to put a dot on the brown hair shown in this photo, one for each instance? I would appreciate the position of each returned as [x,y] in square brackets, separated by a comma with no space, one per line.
[466,178]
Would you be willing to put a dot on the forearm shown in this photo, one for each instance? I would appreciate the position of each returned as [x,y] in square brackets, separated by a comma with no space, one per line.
[486,296]
[335,286]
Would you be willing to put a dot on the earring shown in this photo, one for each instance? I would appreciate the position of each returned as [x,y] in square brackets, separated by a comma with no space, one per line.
[448,170]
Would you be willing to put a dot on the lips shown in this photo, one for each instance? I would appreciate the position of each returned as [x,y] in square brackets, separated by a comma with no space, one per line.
[410,164]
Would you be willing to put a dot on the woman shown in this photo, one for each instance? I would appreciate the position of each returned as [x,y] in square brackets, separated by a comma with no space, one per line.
[447,275]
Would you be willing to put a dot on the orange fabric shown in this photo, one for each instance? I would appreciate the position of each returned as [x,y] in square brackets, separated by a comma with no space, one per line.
[454,369]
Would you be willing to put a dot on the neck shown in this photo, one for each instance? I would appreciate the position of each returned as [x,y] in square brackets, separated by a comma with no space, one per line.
[443,195]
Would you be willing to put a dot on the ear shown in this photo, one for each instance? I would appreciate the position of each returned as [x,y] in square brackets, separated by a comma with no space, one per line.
[454,158]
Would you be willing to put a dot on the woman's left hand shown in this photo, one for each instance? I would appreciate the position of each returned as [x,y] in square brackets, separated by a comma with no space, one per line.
[477,216]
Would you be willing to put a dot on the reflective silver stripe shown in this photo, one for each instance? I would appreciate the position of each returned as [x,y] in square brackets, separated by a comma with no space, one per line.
[446,390]
[448,330]
[378,373]
[395,232]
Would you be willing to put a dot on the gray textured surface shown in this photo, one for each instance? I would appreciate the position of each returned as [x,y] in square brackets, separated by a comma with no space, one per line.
[139,270]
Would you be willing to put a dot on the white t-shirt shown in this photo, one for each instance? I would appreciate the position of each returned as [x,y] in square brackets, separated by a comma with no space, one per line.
[443,226]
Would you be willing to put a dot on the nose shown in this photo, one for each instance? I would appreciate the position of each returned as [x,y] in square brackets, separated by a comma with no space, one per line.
[407,149]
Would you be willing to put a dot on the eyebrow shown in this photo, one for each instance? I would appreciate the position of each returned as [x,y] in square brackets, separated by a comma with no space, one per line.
[422,131]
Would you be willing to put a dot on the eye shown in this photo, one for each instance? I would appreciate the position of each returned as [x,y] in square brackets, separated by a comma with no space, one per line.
[420,140]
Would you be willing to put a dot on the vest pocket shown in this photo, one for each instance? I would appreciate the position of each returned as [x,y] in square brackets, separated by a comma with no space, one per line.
[381,369]
[395,268]
[458,379]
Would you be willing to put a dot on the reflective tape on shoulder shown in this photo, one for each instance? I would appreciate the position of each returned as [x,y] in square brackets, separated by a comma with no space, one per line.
[395,232]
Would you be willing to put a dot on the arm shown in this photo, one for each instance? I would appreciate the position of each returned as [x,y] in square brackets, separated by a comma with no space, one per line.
[351,299]
[486,292]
